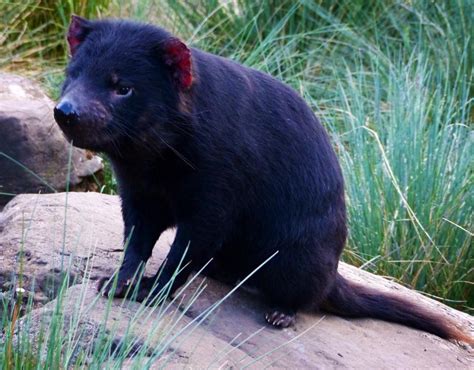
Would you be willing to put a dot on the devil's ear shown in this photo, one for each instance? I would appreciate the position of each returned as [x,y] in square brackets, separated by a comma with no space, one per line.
[177,57]
[77,32]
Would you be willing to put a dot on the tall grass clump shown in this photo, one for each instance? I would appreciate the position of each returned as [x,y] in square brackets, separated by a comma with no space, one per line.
[63,336]
[32,32]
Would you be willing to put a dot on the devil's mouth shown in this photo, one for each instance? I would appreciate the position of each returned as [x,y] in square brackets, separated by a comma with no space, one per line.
[87,136]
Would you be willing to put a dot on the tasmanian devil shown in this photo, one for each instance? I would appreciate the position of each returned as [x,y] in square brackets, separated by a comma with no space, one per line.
[231,157]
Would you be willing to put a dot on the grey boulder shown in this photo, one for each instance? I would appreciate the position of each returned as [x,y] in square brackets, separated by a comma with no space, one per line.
[34,155]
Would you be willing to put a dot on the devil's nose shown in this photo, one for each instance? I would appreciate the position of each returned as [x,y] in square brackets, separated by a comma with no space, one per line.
[64,113]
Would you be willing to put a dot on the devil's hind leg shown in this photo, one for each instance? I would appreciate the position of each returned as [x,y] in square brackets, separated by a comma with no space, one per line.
[294,279]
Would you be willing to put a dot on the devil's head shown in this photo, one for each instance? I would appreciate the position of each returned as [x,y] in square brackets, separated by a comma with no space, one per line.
[124,84]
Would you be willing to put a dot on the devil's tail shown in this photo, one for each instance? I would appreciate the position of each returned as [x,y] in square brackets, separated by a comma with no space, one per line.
[349,299]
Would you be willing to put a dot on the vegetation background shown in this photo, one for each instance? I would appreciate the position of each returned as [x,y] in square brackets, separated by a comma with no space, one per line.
[391,80]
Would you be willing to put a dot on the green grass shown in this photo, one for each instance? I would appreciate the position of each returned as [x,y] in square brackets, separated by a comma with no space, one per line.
[391,81]
[32,31]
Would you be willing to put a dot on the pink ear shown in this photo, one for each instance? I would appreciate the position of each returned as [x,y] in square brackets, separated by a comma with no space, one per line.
[77,32]
[178,56]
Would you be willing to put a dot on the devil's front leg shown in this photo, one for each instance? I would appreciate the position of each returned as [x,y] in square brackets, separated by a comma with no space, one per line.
[192,249]
[144,220]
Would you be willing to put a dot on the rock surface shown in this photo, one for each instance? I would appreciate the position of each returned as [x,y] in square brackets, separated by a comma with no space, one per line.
[31,137]
[91,227]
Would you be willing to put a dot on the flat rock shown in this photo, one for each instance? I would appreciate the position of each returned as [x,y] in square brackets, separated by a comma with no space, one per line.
[34,155]
[86,235]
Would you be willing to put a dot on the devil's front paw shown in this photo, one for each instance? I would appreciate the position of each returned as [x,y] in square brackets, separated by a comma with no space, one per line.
[153,290]
[107,287]
[146,290]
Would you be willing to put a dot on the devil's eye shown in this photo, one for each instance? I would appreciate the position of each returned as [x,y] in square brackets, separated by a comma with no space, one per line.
[123,90]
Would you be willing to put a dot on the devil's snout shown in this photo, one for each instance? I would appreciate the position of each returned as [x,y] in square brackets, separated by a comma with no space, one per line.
[65,113]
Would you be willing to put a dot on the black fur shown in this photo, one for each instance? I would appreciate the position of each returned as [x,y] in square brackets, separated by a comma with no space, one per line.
[237,162]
